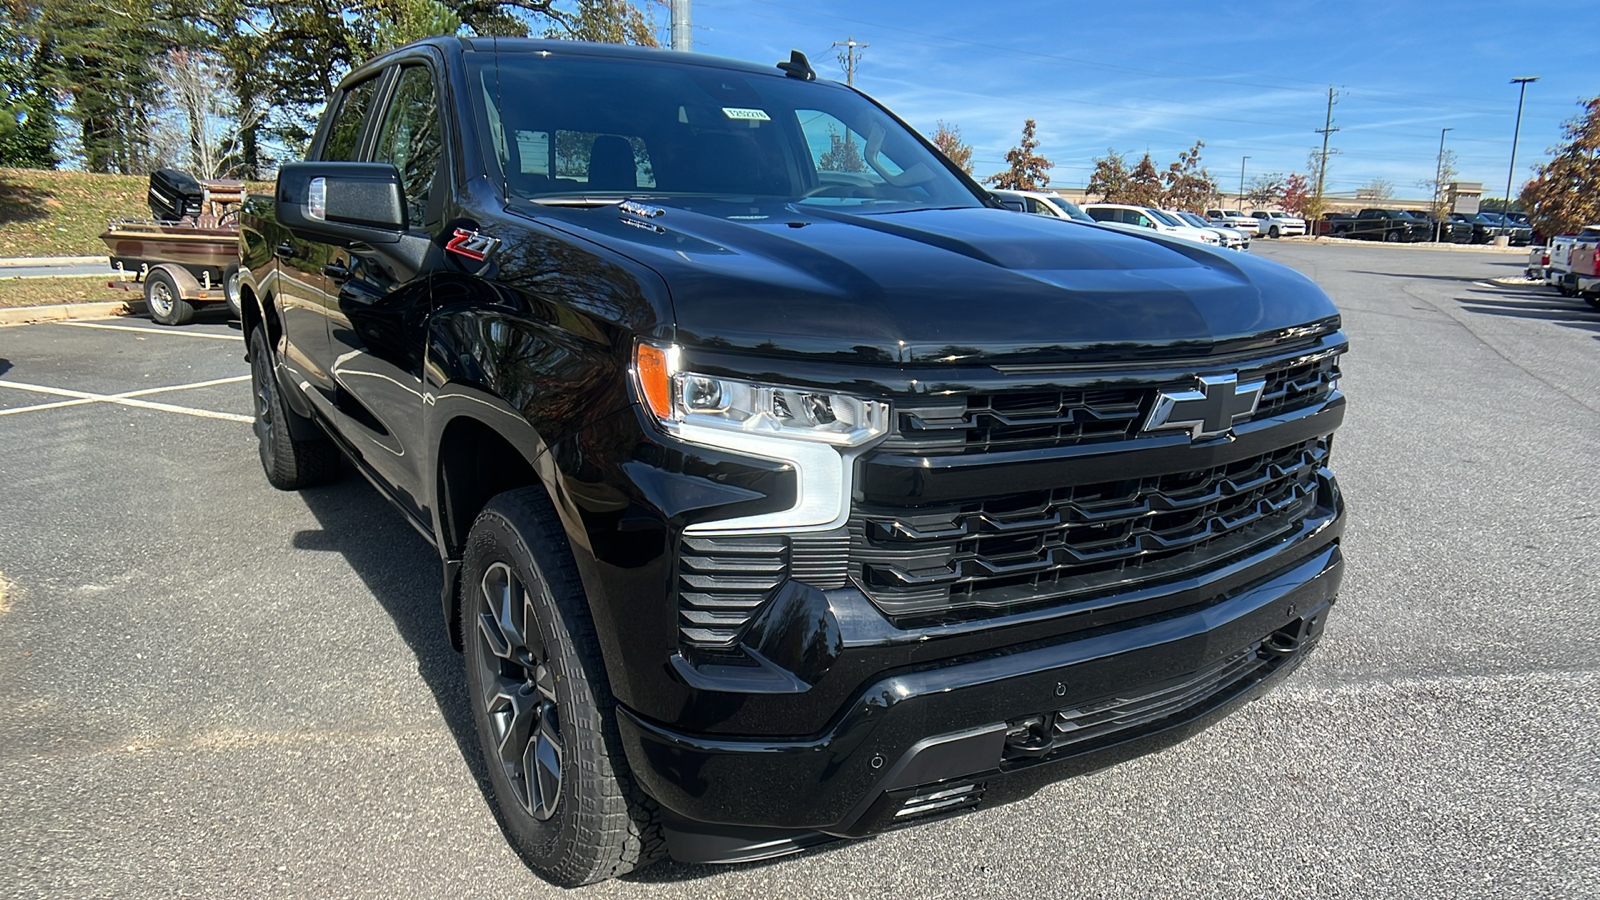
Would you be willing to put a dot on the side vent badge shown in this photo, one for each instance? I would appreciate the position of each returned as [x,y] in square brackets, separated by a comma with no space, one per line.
[474,246]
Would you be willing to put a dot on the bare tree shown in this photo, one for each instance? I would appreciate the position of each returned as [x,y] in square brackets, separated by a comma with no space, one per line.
[1376,190]
[199,127]
[1265,190]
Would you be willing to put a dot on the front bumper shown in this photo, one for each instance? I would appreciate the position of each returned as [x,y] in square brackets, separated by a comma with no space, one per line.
[984,730]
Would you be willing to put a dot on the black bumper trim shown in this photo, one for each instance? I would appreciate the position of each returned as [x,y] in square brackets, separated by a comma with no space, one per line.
[836,783]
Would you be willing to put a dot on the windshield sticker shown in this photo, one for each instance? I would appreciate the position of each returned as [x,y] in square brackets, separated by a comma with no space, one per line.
[748,115]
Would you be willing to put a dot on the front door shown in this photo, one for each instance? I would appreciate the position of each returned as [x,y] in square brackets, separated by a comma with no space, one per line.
[377,328]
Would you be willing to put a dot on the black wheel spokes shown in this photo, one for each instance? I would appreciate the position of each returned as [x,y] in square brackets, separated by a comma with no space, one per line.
[263,422]
[518,691]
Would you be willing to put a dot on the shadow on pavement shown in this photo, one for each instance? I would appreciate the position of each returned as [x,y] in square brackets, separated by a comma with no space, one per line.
[1533,302]
[5,365]
[401,570]
[1409,276]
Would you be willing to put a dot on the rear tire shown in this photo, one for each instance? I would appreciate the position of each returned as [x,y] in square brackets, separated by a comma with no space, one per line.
[290,463]
[1273,232]
[161,297]
[545,717]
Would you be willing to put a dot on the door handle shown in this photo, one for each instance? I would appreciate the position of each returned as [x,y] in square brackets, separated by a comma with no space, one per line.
[337,272]
[284,250]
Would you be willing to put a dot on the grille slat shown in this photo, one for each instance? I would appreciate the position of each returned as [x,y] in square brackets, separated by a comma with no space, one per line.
[1027,420]
[1089,537]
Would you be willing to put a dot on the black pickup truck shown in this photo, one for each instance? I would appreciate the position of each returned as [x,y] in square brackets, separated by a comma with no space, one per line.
[1393,225]
[785,487]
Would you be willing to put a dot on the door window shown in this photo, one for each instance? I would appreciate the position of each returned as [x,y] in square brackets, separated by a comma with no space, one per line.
[411,139]
[346,129]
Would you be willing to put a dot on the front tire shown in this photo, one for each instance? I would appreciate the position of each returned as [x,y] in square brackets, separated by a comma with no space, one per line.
[290,463]
[1391,237]
[1273,232]
[545,716]
[162,298]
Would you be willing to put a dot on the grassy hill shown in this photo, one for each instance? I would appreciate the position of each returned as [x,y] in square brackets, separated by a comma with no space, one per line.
[45,213]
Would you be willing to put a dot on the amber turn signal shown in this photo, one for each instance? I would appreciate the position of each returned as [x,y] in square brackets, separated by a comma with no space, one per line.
[655,379]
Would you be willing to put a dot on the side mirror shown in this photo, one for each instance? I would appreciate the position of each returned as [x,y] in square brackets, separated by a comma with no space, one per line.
[342,202]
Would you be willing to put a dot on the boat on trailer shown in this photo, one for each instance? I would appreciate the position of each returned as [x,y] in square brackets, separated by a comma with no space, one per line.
[186,255]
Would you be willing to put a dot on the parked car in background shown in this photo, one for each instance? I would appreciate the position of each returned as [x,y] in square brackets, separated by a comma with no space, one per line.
[1232,238]
[1538,263]
[1444,231]
[1276,224]
[1042,204]
[1583,262]
[1335,224]
[1232,218]
[1555,271]
[1391,225]
[1488,226]
[1145,217]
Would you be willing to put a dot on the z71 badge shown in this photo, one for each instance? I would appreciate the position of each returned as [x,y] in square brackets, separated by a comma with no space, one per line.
[472,245]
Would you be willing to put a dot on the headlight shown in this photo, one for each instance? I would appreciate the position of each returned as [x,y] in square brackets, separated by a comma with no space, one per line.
[686,398]
[818,432]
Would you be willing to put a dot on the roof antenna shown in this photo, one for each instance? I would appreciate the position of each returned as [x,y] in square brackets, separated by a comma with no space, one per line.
[798,67]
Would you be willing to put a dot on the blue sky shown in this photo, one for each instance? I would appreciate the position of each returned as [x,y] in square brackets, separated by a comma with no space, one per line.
[1248,78]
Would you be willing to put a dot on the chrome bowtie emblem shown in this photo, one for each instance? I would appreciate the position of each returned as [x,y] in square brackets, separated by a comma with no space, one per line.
[1218,403]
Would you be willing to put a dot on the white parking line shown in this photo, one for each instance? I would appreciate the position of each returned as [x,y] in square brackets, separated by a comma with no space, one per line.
[168,331]
[129,398]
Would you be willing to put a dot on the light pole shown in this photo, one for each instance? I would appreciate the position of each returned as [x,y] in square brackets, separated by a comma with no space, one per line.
[1241,183]
[1523,92]
[1438,189]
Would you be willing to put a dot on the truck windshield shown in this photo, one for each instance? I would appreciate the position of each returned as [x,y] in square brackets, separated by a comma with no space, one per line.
[565,127]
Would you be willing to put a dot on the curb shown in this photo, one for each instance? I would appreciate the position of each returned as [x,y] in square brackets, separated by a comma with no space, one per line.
[28,315]
[1430,246]
[22,261]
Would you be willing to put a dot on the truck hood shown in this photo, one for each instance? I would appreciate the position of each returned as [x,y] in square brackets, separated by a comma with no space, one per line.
[956,286]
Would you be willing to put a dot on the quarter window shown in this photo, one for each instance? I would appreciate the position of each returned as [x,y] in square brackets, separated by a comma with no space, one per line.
[411,141]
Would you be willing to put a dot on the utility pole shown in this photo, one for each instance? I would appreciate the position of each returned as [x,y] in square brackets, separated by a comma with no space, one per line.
[1241,183]
[1322,167]
[848,58]
[1506,210]
[1438,191]
[682,32]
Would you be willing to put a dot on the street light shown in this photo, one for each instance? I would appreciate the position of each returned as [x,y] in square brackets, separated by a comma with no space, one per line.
[1522,92]
[1241,182]
[1438,189]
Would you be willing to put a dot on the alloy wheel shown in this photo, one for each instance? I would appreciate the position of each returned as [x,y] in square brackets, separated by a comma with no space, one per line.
[261,375]
[517,689]
[161,299]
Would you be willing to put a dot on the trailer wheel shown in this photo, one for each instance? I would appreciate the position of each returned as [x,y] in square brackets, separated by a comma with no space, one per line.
[166,305]
[230,291]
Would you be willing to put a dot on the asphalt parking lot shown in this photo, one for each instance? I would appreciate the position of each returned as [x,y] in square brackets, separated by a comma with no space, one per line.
[211,688]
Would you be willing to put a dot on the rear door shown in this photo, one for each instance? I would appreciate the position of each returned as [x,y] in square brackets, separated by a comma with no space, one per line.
[376,328]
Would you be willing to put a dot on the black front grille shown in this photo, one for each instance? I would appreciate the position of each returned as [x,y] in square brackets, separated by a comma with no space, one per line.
[1045,545]
[1037,419]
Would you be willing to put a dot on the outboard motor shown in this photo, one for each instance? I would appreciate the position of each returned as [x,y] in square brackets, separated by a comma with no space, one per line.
[174,195]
